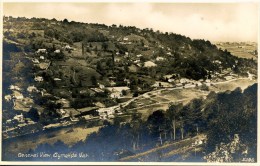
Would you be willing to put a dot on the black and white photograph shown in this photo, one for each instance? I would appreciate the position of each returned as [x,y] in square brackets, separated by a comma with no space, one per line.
[129,82]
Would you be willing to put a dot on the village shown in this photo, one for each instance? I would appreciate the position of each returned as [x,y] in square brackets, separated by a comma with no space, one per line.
[20,125]
[93,80]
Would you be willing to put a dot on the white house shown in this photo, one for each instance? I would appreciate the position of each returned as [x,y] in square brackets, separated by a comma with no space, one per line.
[101,86]
[38,79]
[17,95]
[57,51]
[14,87]
[160,58]
[67,47]
[19,118]
[42,57]
[65,103]
[8,97]
[34,60]
[32,88]
[139,55]
[42,50]
[125,38]
[149,64]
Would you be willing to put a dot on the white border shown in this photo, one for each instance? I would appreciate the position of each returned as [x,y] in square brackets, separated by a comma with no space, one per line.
[128,163]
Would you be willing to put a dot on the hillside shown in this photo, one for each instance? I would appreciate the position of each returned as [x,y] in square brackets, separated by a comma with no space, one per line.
[117,82]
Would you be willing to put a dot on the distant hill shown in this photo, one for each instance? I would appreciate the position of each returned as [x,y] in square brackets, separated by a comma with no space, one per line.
[193,59]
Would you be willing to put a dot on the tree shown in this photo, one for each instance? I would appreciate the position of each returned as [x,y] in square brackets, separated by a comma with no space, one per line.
[33,114]
[93,80]
[65,21]
[172,113]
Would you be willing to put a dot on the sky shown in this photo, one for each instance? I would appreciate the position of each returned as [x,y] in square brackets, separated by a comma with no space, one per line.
[209,21]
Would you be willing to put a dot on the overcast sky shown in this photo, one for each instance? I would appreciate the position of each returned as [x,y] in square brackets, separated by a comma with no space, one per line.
[214,22]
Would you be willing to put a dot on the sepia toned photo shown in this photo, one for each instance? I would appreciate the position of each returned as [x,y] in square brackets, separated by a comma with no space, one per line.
[129,82]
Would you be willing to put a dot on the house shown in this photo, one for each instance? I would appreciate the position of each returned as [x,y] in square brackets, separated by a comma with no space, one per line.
[99,104]
[88,111]
[72,112]
[106,111]
[56,79]
[68,48]
[42,57]
[149,64]
[250,76]
[17,95]
[14,87]
[171,80]
[57,51]
[127,81]
[19,118]
[228,78]
[44,66]
[34,60]
[32,89]
[38,78]
[101,86]
[207,81]
[8,97]
[158,84]
[139,55]
[64,102]
[43,51]
[160,58]
[117,92]
[184,80]
[125,38]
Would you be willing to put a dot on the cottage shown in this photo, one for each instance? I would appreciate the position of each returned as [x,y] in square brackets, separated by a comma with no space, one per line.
[42,57]
[99,104]
[17,95]
[43,51]
[34,60]
[160,58]
[8,97]
[44,66]
[88,111]
[101,86]
[106,111]
[19,118]
[38,78]
[64,102]
[117,92]
[32,89]
[149,64]
[125,38]
[57,51]
[228,78]
[139,55]
[14,87]
[68,48]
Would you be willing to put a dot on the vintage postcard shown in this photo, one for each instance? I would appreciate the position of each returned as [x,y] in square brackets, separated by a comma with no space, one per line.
[129,83]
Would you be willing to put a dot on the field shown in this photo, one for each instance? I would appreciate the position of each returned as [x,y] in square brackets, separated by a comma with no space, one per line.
[69,136]
[156,100]
[242,50]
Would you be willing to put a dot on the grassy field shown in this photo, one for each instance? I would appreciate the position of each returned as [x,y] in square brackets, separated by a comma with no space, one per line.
[160,100]
[242,50]
[67,135]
